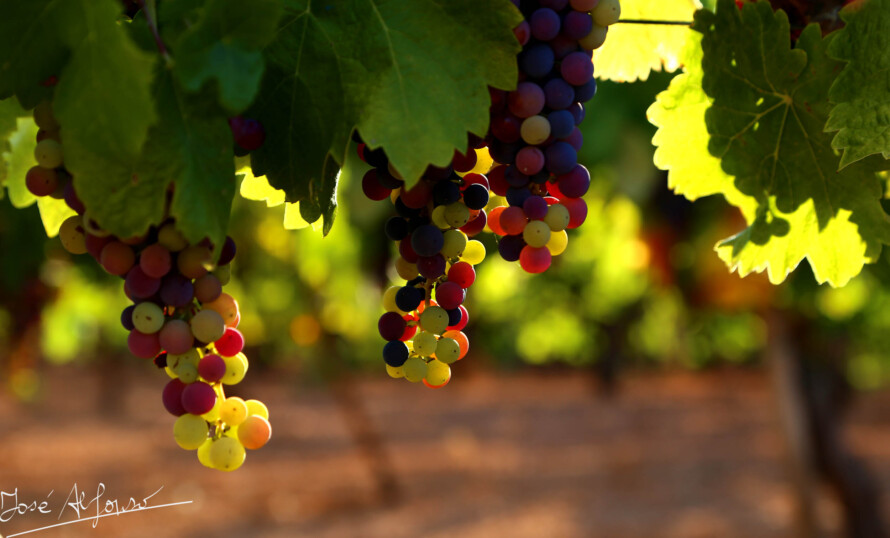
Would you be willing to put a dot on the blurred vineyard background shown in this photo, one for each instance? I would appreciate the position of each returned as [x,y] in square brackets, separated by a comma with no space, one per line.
[639,306]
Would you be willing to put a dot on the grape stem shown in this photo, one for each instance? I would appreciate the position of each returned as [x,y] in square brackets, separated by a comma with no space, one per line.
[645,21]
[149,7]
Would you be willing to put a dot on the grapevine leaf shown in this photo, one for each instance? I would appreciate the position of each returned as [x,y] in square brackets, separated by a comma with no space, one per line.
[34,46]
[53,213]
[19,159]
[191,146]
[862,89]
[681,141]
[10,111]
[103,102]
[226,45]
[374,64]
[766,123]
[632,51]
[292,218]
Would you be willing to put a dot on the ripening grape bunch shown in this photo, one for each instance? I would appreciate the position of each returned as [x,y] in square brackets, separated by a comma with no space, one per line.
[534,136]
[180,317]
[434,220]
[522,181]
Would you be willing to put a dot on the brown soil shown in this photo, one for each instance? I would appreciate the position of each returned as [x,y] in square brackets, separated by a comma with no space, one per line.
[523,455]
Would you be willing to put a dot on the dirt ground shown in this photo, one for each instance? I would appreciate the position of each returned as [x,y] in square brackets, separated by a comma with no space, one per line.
[530,454]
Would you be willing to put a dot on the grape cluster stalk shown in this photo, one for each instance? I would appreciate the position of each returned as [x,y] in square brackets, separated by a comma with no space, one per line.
[522,181]
[180,317]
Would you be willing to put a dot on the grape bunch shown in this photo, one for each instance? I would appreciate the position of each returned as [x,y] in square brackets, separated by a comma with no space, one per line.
[522,181]
[435,219]
[180,316]
[534,136]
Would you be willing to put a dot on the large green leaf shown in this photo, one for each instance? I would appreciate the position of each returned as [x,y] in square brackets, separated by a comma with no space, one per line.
[34,45]
[10,111]
[191,147]
[225,44]
[103,102]
[632,51]
[412,76]
[770,104]
[862,89]
[682,138]
[19,157]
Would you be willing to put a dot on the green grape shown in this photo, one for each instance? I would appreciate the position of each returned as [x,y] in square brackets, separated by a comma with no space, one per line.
[457,214]
[425,343]
[213,414]
[185,366]
[208,326]
[455,243]
[233,411]
[190,431]
[606,12]
[535,130]
[236,369]
[395,372]
[170,238]
[434,319]
[415,369]
[227,454]
[595,38]
[447,350]
[224,274]
[194,261]
[170,373]
[406,269]
[72,235]
[204,453]
[438,373]
[148,318]
[48,153]
[558,242]
[474,252]
[256,407]
[536,233]
[438,218]
[557,217]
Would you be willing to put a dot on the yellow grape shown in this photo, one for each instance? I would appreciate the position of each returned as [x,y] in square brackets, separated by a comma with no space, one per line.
[227,454]
[72,235]
[415,369]
[236,369]
[256,407]
[536,233]
[233,411]
[190,431]
[425,343]
[438,373]
[558,242]
[447,350]
[254,432]
[474,252]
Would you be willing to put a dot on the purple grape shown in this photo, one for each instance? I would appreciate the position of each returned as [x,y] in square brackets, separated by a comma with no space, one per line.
[391,326]
[127,317]
[476,196]
[530,160]
[517,196]
[537,61]
[559,95]
[577,110]
[198,398]
[506,128]
[576,24]
[535,207]
[560,158]
[396,228]
[561,123]
[545,24]
[575,183]
[172,397]
[527,100]
[73,200]
[408,298]
[176,290]
[228,251]
[431,267]
[515,178]
[141,285]
[576,68]
[502,152]
[427,240]
[555,5]
[576,139]
[510,246]
[395,353]
[586,92]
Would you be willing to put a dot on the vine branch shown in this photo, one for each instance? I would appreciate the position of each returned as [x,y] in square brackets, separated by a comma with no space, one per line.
[149,7]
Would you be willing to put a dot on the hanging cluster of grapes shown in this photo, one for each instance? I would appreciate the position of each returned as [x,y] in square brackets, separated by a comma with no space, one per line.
[180,317]
[530,196]
[534,135]
[424,318]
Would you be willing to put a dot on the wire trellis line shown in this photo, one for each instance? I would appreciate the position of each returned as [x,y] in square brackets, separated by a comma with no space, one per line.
[645,21]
